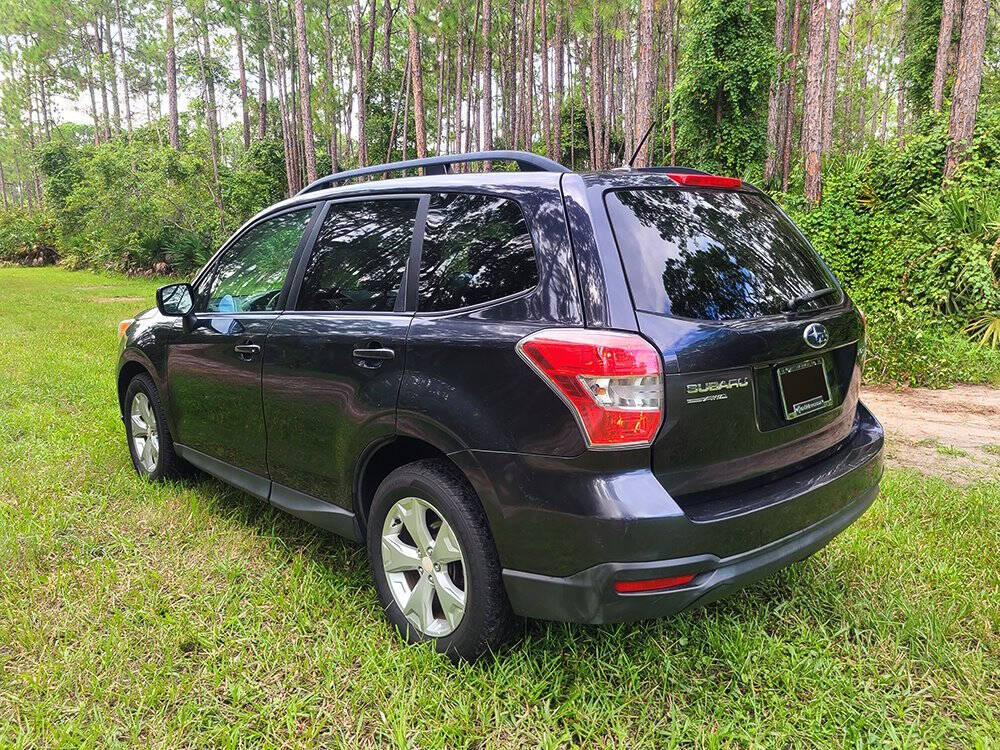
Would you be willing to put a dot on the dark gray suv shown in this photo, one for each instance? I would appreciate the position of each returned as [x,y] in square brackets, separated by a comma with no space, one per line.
[581,397]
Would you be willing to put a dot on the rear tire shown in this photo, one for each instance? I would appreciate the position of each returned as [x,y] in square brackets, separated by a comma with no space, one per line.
[435,565]
[149,443]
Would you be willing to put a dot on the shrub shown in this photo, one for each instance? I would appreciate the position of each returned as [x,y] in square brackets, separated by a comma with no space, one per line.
[28,238]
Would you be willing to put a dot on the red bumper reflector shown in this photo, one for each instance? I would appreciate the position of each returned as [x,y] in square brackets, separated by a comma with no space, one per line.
[651,584]
[705,180]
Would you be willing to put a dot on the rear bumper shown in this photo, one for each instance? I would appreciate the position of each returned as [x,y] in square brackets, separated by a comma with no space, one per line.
[631,528]
[589,595]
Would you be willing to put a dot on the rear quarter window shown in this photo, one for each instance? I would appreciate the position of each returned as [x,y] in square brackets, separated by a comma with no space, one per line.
[476,249]
[712,254]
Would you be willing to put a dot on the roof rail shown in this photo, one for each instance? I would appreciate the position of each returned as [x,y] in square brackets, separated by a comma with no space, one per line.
[527,162]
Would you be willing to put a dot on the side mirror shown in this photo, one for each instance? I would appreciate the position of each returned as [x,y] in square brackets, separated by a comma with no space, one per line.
[175,300]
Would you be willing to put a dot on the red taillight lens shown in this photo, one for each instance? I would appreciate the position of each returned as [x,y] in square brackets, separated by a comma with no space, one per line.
[612,381]
[705,180]
[651,584]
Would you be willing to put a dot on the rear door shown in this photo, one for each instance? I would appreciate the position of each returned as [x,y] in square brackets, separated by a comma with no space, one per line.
[334,360]
[213,371]
[754,388]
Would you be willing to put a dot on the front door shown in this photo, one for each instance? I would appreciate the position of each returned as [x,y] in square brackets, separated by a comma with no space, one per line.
[333,364]
[214,369]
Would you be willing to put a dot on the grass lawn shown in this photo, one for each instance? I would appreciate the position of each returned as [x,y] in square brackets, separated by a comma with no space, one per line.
[191,615]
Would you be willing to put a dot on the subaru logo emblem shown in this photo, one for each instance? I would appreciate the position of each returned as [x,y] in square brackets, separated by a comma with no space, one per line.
[816,335]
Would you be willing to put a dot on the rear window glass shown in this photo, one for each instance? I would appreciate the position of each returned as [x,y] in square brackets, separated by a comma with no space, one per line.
[712,254]
[476,248]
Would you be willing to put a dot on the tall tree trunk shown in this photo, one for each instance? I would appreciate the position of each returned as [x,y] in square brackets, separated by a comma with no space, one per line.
[866,58]
[175,139]
[115,103]
[830,73]
[261,95]
[900,88]
[417,78]
[3,188]
[359,80]
[528,128]
[470,94]
[812,105]
[211,110]
[673,43]
[105,117]
[331,121]
[390,14]
[442,93]
[793,63]
[459,77]
[968,81]
[121,47]
[948,10]
[204,59]
[597,91]
[90,88]
[645,86]
[775,94]
[546,101]
[242,67]
[487,104]
[560,86]
[305,99]
[279,75]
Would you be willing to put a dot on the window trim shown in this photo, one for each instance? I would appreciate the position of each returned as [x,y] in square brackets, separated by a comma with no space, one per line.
[486,303]
[240,233]
[402,305]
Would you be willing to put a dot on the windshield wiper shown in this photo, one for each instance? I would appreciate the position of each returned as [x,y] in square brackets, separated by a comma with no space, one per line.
[795,302]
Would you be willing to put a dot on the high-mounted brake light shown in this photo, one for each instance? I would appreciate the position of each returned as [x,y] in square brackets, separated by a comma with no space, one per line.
[705,180]
[611,381]
[651,584]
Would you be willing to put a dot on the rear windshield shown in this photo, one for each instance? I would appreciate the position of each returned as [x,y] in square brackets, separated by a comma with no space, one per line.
[713,254]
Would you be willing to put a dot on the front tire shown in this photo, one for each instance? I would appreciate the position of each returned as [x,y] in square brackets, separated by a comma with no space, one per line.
[149,441]
[436,569]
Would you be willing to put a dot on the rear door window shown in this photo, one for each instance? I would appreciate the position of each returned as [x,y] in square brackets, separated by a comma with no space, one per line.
[476,248]
[359,257]
[713,254]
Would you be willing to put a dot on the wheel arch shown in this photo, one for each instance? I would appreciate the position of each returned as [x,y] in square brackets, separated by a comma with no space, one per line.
[129,369]
[385,457]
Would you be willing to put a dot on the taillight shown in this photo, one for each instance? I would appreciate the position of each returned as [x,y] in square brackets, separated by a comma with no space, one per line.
[611,381]
[705,180]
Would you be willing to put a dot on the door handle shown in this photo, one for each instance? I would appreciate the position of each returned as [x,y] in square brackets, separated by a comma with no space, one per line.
[374,353]
[247,351]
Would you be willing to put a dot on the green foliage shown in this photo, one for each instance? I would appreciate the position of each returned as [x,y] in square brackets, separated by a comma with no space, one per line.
[922,260]
[727,60]
[27,237]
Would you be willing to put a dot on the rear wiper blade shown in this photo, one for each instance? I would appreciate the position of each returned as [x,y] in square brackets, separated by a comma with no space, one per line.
[795,302]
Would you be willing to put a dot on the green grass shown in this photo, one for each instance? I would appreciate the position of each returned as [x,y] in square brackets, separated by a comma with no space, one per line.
[190,615]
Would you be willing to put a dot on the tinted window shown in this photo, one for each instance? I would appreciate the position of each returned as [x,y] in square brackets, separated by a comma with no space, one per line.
[359,256]
[476,248]
[712,255]
[249,275]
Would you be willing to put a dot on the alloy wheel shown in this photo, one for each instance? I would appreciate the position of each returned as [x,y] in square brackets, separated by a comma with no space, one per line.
[424,566]
[145,438]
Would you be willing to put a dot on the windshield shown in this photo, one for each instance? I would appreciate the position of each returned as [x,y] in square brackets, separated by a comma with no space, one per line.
[713,254]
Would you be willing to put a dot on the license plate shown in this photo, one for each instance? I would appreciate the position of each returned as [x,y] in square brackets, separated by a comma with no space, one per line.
[804,388]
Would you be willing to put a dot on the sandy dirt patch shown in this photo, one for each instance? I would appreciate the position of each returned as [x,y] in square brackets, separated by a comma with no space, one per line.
[953,433]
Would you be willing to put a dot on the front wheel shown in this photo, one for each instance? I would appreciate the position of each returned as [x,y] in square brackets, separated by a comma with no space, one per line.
[435,565]
[149,442]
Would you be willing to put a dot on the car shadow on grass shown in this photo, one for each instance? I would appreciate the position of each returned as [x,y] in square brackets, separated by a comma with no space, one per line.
[793,603]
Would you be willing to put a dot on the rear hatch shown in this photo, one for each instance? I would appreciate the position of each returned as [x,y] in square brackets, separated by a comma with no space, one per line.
[760,361]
